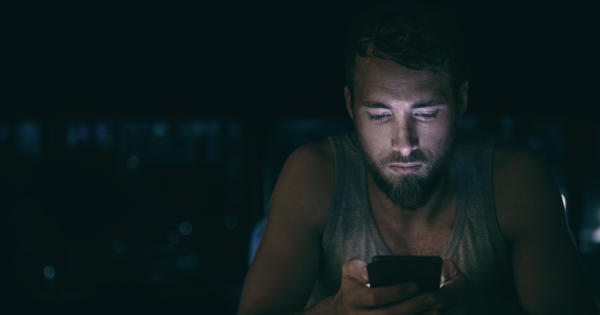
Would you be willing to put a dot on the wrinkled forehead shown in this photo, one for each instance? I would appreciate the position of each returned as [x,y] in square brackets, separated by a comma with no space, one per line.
[377,76]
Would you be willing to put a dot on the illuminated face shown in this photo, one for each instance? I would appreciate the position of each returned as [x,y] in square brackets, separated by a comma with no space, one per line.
[405,122]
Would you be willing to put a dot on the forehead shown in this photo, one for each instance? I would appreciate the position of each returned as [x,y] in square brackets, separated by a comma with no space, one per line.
[375,77]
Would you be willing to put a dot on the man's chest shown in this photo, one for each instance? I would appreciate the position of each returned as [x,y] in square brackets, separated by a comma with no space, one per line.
[433,243]
[419,239]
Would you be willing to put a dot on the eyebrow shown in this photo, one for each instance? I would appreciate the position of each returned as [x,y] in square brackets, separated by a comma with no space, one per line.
[413,106]
[428,104]
[375,105]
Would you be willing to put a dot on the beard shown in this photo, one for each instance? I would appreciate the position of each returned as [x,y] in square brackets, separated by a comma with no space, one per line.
[410,191]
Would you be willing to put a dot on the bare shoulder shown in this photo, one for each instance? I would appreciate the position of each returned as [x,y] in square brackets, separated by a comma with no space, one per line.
[286,264]
[314,154]
[532,219]
[525,190]
[306,181]
[510,158]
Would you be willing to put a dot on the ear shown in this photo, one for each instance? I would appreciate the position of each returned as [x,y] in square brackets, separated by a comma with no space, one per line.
[348,97]
[463,97]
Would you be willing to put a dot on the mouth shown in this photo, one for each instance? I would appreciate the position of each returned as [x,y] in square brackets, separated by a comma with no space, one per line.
[405,168]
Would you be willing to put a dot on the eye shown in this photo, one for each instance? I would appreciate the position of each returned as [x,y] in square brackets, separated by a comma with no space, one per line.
[427,116]
[380,117]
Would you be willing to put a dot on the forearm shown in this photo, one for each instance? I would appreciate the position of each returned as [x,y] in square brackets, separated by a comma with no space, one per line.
[325,307]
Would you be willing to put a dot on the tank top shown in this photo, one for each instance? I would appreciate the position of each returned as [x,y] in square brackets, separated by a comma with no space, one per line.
[476,244]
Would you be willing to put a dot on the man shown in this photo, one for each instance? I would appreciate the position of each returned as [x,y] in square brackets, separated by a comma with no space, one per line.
[407,183]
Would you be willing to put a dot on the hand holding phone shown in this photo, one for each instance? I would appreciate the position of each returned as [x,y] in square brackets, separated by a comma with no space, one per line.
[355,297]
[426,271]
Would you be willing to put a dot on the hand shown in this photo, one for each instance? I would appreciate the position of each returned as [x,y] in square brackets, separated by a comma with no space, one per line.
[355,297]
[456,296]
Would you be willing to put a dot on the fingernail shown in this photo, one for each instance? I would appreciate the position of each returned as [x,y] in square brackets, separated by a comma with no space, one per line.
[364,276]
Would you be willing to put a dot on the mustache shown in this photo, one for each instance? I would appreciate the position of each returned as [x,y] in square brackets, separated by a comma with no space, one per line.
[397,157]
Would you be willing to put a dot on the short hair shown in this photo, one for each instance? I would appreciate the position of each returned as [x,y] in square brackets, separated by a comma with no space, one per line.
[420,35]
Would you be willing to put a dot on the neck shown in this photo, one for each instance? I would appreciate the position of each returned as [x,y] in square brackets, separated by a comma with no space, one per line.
[442,195]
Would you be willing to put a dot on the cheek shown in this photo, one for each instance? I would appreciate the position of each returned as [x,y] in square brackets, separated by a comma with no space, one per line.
[432,135]
[434,138]
[373,137]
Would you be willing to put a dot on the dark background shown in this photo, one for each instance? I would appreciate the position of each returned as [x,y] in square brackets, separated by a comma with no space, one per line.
[139,142]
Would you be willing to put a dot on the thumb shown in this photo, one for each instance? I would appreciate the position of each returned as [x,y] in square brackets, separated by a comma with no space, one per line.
[355,269]
[449,270]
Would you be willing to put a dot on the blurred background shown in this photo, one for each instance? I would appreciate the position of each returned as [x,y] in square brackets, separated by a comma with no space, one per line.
[139,143]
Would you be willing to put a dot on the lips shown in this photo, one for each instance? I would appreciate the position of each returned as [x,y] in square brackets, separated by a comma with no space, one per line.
[405,167]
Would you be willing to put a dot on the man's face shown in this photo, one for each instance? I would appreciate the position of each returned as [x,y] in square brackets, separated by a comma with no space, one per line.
[405,122]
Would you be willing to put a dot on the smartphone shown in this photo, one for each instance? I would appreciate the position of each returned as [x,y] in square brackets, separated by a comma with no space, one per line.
[426,271]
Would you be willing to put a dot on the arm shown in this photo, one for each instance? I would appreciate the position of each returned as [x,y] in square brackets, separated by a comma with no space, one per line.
[458,296]
[547,273]
[285,267]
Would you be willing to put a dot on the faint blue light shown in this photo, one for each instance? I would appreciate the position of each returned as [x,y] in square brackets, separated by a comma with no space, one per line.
[118,247]
[49,272]
[173,238]
[596,235]
[257,233]
[214,142]
[133,162]
[159,277]
[4,132]
[231,222]
[101,132]
[160,129]
[83,133]
[29,138]
[186,262]
[470,123]
[506,127]
[535,144]
[71,138]
[185,228]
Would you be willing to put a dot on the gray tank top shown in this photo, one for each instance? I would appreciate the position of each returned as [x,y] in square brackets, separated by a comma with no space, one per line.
[476,244]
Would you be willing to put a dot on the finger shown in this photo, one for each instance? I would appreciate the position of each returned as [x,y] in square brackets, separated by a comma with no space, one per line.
[355,269]
[449,270]
[415,305]
[442,297]
[363,297]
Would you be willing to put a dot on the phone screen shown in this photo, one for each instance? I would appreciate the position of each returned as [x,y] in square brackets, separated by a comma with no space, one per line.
[426,271]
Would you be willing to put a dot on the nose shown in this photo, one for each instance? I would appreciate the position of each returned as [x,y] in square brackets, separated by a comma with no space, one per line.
[404,138]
